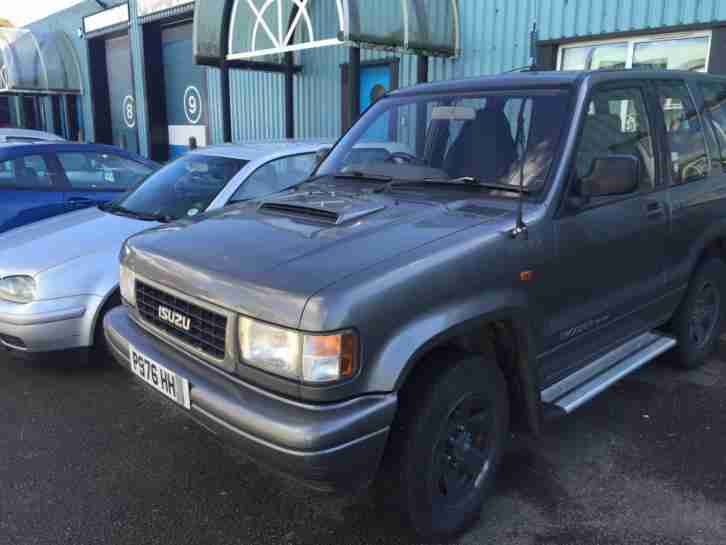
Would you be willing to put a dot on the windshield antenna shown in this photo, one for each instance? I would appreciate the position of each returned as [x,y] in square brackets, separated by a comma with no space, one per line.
[521,228]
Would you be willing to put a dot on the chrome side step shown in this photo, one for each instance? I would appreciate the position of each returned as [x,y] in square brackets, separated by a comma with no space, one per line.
[580,387]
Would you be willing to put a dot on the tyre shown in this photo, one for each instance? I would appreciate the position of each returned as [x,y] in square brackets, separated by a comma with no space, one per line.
[699,318]
[453,429]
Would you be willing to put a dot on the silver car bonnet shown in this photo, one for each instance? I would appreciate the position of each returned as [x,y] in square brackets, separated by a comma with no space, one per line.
[45,245]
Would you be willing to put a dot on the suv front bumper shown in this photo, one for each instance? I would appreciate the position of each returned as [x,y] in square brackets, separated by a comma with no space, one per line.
[327,447]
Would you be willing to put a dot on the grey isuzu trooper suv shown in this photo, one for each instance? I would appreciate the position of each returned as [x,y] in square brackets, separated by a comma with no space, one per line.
[534,238]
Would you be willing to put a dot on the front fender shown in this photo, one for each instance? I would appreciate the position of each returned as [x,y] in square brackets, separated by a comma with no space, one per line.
[94,274]
[405,349]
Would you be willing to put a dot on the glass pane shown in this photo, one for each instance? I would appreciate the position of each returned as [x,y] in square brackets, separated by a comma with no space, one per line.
[455,135]
[185,187]
[617,124]
[276,176]
[612,56]
[208,24]
[682,54]
[715,97]
[101,171]
[432,25]
[22,65]
[377,21]
[684,133]
[30,172]
[595,57]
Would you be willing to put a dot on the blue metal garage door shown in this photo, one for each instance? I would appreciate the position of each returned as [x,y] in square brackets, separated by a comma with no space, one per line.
[121,94]
[185,89]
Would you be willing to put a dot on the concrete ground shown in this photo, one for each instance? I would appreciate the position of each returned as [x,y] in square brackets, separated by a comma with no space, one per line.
[90,456]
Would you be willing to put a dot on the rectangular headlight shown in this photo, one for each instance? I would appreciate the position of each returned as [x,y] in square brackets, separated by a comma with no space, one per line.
[128,285]
[316,359]
[270,348]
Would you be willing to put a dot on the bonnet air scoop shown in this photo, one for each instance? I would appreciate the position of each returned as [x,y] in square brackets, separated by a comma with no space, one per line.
[326,207]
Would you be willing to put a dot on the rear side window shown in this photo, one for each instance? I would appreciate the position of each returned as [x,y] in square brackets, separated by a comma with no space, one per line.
[684,133]
[617,124]
[101,171]
[715,99]
[29,172]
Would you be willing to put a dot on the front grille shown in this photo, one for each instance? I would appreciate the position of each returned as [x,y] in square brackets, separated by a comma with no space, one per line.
[207,330]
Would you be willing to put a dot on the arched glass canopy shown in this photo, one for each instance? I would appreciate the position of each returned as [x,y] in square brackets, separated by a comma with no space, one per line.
[266,29]
[37,63]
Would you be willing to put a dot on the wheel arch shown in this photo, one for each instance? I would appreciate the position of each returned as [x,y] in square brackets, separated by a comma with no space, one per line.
[507,337]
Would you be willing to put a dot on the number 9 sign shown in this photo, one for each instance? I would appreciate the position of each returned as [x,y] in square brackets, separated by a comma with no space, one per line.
[192,105]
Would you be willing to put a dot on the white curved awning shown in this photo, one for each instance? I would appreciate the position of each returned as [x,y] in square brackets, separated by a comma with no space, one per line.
[264,28]
[37,63]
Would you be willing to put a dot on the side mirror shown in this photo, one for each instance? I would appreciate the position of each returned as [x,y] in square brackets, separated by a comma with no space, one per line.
[320,155]
[609,176]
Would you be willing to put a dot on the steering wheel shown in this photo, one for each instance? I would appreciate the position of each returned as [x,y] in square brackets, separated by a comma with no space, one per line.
[403,158]
[696,169]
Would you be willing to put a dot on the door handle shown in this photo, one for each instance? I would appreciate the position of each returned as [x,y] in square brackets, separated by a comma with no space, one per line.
[654,209]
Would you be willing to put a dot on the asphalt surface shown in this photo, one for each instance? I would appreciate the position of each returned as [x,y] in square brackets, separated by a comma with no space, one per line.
[90,456]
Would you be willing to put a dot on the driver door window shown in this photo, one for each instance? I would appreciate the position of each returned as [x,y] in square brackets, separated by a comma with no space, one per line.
[617,124]
[684,133]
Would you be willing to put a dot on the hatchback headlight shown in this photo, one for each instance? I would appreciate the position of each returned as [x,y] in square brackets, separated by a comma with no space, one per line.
[18,289]
[128,285]
[316,359]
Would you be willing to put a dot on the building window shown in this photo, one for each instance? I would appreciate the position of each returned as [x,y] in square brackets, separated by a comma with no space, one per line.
[673,52]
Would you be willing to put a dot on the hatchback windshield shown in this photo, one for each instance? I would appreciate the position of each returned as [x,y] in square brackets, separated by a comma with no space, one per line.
[185,187]
[479,137]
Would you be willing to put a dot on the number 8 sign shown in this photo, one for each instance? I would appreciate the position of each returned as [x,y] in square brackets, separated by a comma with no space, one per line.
[129,111]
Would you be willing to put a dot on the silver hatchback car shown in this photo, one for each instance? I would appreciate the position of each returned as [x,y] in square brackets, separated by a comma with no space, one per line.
[59,276]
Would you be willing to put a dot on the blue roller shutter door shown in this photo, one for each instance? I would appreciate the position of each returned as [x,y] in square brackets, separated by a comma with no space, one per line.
[185,90]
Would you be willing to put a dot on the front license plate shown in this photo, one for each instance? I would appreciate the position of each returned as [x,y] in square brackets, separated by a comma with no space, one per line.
[170,384]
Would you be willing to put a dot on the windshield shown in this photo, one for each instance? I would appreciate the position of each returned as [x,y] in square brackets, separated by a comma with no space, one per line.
[185,187]
[482,136]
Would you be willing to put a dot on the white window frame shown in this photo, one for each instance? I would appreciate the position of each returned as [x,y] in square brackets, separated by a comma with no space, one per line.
[632,41]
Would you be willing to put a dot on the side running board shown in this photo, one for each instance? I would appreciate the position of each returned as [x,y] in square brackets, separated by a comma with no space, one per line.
[580,387]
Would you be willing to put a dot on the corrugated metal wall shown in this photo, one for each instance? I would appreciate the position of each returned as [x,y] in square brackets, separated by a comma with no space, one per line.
[214,96]
[258,108]
[494,38]
[575,18]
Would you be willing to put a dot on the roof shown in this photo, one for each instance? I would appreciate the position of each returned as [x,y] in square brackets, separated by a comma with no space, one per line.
[543,79]
[38,63]
[257,149]
[29,133]
[16,149]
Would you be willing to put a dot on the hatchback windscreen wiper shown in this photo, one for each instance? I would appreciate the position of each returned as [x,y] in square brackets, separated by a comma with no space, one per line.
[466,181]
[118,209]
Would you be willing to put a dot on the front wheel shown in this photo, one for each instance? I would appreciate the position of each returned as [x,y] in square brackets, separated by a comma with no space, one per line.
[454,433]
[698,320]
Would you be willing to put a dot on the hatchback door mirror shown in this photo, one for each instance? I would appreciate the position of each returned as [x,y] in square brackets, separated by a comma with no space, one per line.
[609,176]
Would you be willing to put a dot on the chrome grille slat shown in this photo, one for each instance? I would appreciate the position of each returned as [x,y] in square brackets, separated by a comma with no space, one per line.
[208,331]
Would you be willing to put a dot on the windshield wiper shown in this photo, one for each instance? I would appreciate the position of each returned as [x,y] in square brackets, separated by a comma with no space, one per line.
[360,175]
[466,181]
[118,209]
